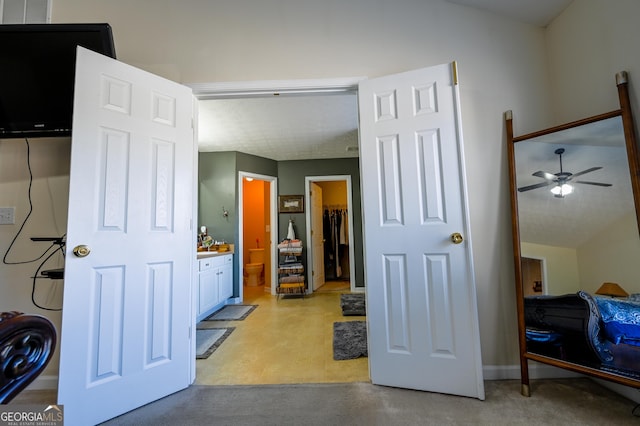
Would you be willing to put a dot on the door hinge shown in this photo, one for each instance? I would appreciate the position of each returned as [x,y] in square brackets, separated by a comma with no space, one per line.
[455,73]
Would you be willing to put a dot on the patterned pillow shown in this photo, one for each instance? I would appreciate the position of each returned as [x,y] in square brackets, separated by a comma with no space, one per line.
[621,320]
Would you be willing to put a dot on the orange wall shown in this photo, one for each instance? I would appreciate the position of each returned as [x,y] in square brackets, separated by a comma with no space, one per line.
[333,192]
[256,218]
[253,210]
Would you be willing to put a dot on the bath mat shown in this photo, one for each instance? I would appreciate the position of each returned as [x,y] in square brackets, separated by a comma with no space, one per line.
[349,340]
[232,313]
[352,304]
[209,339]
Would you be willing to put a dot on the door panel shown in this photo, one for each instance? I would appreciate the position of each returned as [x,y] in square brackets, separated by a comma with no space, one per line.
[127,305]
[423,327]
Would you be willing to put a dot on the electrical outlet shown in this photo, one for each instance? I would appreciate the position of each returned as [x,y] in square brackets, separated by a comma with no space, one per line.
[7,215]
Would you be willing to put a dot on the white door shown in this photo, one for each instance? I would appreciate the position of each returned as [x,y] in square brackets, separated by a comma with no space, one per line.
[317,236]
[126,318]
[421,301]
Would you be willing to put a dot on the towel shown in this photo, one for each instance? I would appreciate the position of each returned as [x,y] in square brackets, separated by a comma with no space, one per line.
[291,235]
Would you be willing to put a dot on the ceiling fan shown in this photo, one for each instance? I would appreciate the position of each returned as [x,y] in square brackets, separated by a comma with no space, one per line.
[560,180]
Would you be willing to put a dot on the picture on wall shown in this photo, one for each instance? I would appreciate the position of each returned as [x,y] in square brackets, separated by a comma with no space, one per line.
[291,204]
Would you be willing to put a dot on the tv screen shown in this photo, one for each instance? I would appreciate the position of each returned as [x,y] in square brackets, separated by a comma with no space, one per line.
[37,71]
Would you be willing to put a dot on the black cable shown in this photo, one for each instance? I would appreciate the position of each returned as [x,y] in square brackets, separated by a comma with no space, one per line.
[24,222]
[636,410]
[35,278]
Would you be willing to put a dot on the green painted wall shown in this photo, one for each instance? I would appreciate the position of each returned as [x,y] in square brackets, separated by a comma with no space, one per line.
[218,188]
[291,180]
[217,191]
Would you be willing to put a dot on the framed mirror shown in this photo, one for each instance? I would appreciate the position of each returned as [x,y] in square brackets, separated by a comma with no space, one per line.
[574,199]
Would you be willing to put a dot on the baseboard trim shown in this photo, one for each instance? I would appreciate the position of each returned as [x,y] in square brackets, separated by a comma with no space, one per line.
[44,383]
[536,371]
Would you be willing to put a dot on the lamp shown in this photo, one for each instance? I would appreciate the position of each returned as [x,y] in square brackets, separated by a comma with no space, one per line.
[612,290]
[561,190]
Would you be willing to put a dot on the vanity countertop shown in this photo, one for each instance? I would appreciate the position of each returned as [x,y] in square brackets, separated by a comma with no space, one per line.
[205,254]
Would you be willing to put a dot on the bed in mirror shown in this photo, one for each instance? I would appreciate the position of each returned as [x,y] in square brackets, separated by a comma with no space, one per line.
[575,199]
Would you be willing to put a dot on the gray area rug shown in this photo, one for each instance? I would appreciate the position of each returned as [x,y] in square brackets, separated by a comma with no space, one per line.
[349,340]
[353,304]
[231,313]
[209,339]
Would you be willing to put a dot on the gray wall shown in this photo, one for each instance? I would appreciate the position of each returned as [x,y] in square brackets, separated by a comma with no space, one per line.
[291,180]
[218,190]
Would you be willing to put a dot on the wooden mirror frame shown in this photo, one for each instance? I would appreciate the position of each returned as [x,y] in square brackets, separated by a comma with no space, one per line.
[634,167]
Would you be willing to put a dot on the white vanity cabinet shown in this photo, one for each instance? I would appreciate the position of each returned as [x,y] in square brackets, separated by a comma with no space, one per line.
[225,278]
[215,283]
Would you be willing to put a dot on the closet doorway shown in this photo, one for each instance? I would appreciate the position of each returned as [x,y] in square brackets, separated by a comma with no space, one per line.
[329,217]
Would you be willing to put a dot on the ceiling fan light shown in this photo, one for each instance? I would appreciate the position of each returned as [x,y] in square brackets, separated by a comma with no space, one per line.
[562,190]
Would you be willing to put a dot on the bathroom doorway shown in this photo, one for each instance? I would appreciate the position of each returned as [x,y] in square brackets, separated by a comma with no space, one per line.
[257,196]
[329,216]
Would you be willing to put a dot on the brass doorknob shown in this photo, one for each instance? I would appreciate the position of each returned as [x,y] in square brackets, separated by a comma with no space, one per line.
[81,251]
[456,238]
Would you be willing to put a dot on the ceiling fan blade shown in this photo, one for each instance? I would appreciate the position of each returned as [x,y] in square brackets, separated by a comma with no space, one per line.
[537,185]
[544,175]
[593,183]
[592,169]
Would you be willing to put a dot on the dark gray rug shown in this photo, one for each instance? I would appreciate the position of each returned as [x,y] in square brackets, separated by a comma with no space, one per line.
[349,340]
[353,304]
[231,313]
[209,339]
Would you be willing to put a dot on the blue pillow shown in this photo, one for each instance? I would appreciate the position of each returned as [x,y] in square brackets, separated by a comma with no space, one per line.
[621,320]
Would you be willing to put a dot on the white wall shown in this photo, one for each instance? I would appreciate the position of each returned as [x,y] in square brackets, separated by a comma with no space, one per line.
[50,160]
[502,65]
[587,45]
[612,256]
[561,263]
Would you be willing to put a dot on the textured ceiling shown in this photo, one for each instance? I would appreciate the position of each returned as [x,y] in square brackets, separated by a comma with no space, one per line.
[574,219]
[282,127]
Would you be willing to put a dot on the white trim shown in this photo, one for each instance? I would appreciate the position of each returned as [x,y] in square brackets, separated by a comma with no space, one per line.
[536,371]
[241,89]
[307,189]
[273,226]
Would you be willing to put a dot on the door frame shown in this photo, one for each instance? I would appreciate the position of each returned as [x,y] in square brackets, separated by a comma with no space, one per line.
[273,225]
[269,88]
[543,270]
[307,188]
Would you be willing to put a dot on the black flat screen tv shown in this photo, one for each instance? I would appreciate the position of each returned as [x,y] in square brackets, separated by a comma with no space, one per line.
[37,72]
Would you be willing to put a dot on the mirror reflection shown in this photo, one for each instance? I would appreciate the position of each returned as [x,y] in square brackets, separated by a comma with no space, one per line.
[577,221]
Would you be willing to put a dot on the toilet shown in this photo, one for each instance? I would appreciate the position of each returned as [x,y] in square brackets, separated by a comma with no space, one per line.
[254,268]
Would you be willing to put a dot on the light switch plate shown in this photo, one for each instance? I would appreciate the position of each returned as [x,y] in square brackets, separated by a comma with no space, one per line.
[7,215]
